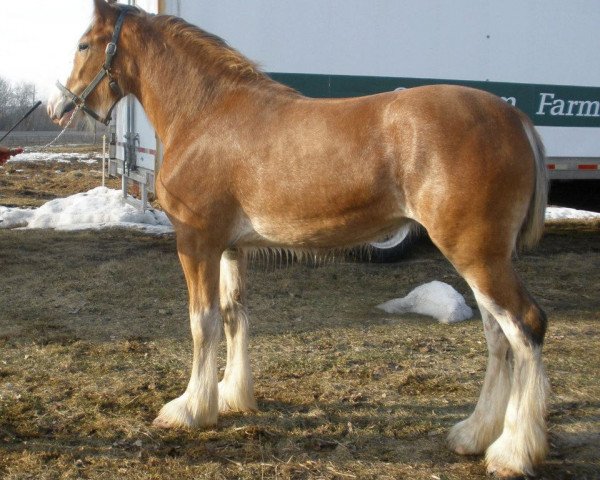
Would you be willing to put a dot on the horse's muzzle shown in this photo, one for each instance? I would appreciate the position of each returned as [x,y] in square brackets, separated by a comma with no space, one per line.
[59,108]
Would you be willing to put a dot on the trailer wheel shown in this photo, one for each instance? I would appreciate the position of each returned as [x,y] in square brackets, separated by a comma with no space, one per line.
[394,254]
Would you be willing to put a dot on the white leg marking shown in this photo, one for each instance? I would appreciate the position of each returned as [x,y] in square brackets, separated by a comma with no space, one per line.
[236,390]
[475,434]
[198,406]
[523,443]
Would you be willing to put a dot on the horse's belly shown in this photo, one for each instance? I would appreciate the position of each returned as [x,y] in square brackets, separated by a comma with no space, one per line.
[324,211]
[322,233]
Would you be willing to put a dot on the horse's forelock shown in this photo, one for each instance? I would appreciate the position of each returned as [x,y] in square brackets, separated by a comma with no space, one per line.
[105,16]
[103,9]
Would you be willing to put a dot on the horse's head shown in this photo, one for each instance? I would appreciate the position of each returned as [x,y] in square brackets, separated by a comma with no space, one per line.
[93,84]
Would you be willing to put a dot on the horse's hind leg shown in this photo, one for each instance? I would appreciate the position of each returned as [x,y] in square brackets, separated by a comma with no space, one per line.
[236,390]
[522,445]
[475,434]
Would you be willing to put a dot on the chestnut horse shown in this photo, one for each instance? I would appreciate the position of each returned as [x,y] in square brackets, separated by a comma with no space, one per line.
[251,164]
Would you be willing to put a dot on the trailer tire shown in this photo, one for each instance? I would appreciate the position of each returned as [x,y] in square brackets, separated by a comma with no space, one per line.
[394,254]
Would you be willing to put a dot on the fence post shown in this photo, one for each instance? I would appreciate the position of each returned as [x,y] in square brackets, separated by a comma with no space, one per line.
[103,159]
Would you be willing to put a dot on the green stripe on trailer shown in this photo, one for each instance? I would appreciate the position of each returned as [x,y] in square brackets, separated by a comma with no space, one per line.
[546,105]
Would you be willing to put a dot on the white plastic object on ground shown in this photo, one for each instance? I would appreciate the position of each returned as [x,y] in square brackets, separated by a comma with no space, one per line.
[436,299]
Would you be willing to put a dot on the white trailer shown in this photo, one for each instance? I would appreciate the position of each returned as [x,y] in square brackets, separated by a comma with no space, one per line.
[539,55]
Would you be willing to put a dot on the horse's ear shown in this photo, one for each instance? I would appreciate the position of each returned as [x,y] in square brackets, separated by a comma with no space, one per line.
[103,9]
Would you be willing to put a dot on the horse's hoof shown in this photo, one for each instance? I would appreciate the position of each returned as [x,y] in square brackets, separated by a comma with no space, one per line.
[179,414]
[463,440]
[226,408]
[505,473]
[233,399]
[165,422]
[461,450]
[160,422]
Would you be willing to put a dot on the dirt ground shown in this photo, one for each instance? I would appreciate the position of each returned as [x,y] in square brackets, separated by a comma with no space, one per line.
[94,338]
[31,184]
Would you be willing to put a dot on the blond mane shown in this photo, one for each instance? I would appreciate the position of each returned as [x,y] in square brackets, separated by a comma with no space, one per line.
[216,54]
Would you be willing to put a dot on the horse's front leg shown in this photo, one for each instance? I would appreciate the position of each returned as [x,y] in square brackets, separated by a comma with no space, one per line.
[199,405]
[236,391]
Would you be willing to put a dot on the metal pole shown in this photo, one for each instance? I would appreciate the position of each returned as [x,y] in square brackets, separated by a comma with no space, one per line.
[103,160]
[29,112]
[144,197]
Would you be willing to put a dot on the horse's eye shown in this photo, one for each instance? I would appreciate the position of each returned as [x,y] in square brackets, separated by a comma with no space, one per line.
[83,46]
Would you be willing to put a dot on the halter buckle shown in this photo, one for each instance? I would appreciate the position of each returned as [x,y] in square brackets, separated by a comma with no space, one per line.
[111,48]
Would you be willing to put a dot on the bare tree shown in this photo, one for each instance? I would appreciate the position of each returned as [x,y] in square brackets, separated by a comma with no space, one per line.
[5,102]
[15,100]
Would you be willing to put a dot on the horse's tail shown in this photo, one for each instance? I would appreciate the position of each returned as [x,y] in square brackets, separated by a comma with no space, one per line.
[533,225]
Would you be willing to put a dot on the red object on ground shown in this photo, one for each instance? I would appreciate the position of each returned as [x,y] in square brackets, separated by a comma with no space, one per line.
[6,153]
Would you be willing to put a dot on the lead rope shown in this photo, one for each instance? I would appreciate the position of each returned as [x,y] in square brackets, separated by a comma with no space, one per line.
[60,134]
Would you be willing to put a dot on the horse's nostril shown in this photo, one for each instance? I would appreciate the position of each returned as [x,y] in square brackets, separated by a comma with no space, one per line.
[66,108]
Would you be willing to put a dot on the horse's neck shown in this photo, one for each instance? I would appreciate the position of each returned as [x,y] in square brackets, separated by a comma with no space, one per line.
[165,87]
[171,84]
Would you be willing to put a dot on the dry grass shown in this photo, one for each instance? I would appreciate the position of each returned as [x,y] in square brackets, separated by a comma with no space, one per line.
[94,339]
[31,184]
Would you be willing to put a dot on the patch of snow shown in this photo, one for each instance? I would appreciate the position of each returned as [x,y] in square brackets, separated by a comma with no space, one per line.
[436,299]
[99,208]
[56,157]
[557,214]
